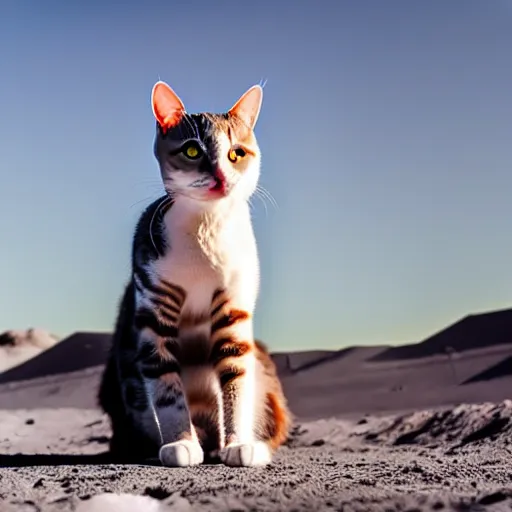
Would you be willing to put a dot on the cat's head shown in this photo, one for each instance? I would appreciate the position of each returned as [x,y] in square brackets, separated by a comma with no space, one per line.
[205,156]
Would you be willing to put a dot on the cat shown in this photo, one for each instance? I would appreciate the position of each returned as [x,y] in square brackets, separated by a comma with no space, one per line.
[185,379]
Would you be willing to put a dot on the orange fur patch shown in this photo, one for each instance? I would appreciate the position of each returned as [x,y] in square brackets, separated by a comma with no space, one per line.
[233,317]
[226,348]
[280,420]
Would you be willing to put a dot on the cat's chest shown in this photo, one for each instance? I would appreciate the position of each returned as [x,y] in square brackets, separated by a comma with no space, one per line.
[207,254]
[201,266]
[190,260]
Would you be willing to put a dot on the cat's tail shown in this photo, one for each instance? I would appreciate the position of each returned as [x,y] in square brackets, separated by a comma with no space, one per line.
[278,419]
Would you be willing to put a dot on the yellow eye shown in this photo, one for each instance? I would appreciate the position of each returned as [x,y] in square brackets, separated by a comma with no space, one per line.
[236,154]
[192,150]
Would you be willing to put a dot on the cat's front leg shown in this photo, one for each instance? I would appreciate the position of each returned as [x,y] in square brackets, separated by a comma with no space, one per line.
[168,416]
[234,359]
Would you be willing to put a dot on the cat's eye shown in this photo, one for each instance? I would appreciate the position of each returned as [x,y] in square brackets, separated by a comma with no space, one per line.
[236,154]
[192,150]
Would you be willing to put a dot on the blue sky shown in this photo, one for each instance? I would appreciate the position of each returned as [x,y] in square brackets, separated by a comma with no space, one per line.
[386,134]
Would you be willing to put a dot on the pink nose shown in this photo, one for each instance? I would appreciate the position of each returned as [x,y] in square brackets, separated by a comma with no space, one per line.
[219,174]
[220,181]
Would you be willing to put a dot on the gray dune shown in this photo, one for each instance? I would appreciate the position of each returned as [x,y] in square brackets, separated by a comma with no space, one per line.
[19,346]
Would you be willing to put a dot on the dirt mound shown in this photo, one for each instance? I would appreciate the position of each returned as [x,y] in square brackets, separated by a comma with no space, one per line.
[18,346]
[470,333]
[456,427]
[502,369]
[76,352]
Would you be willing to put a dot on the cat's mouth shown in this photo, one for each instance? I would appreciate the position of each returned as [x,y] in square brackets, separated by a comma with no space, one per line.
[219,185]
[208,187]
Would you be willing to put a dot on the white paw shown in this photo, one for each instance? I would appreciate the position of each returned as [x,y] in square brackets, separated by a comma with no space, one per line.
[248,455]
[181,453]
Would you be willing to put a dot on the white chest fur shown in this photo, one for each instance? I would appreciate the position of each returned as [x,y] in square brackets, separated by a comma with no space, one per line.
[211,249]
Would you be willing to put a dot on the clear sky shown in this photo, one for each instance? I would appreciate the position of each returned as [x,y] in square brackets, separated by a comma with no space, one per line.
[386,133]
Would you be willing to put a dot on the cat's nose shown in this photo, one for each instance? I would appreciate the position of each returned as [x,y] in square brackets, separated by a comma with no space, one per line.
[219,175]
[219,184]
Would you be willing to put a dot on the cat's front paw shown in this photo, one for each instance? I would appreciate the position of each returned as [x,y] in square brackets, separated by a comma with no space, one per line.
[247,455]
[181,453]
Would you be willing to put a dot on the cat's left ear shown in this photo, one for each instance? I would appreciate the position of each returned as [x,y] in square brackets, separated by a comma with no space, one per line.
[247,108]
[168,108]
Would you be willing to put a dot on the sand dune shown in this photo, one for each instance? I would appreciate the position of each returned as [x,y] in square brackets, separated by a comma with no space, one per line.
[16,347]
[78,351]
[471,332]
[345,382]
[354,385]
[501,369]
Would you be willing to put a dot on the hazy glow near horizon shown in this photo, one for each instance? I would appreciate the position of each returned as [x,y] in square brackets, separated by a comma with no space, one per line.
[386,133]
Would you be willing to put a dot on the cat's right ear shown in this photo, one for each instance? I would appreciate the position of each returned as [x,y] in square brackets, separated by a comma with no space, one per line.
[247,108]
[168,109]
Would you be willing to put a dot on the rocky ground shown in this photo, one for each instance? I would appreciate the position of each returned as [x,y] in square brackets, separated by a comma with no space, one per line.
[456,458]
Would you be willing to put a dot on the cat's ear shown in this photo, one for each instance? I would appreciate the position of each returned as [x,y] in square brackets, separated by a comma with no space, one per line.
[168,109]
[247,108]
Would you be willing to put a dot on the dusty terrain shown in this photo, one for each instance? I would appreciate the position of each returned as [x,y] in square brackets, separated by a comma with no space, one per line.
[374,432]
[453,459]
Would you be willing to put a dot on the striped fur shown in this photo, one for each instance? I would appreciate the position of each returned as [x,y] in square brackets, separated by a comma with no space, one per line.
[185,378]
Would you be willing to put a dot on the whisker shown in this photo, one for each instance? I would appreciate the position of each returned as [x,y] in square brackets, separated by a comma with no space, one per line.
[271,198]
[262,199]
[265,193]
[264,205]
[163,202]
[150,198]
